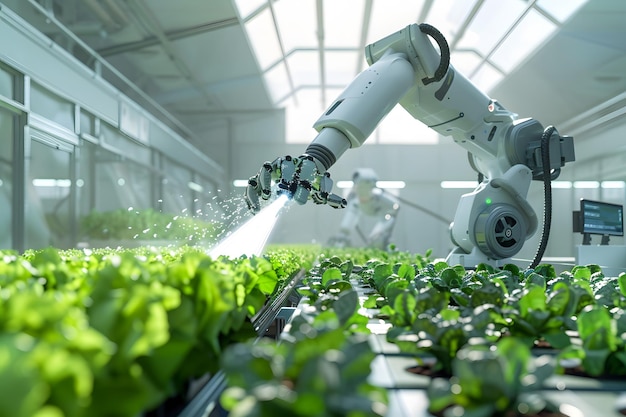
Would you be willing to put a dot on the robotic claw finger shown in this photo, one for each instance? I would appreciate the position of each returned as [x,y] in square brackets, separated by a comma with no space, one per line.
[492,223]
[299,178]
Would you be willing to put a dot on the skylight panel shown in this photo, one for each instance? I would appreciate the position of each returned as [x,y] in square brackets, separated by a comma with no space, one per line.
[304,67]
[389,16]
[487,77]
[297,23]
[399,127]
[247,7]
[448,16]
[481,53]
[465,62]
[343,21]
[559,9]
[331,94]
[341,67]
[301,115]
[531,32]
[264,40]
[494,19]
[277,82]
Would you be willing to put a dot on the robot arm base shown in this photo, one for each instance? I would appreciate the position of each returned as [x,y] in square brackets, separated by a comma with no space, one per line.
[471,260]
[495,218]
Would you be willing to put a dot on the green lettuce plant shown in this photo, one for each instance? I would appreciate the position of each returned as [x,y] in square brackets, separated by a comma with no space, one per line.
[319,367]
[602,347]
[492,381]
[80,327]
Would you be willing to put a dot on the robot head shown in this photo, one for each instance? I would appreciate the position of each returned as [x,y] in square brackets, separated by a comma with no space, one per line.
[364,180]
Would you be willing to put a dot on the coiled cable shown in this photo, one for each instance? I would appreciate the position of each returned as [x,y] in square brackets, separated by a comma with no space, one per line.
[547,195]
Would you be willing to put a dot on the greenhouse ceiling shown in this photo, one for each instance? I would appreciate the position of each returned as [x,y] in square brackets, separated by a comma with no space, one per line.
[310,50]
[200,62]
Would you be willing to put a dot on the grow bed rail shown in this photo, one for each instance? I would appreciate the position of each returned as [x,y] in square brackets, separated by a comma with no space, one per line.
[268,322]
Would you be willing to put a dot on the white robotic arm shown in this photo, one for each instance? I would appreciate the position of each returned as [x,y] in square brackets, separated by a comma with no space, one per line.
[493,221]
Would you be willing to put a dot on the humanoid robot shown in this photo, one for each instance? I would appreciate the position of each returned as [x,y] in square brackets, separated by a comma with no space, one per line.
[491,223]
[365,199]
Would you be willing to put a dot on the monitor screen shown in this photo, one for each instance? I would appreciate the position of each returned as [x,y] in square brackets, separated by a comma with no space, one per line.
[599,218]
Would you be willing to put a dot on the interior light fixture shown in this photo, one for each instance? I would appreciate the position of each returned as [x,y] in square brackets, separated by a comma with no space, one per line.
[459,184]
[613,184]
[380,184]
[586,184]
[52,182]
[561,184]
[195,186]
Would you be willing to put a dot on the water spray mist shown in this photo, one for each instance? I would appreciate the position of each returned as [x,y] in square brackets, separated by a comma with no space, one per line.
[250,238]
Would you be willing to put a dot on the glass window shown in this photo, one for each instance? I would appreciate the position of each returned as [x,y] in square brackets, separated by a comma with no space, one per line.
[7,134]
[114,198]
[85,178]
[120,183]
[47,201]
[264,39]
[177,195]
[51,106]
[125,145]
[7,82]
[87,123]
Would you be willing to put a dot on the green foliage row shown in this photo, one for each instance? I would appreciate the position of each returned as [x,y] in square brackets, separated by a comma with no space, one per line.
[80,327]
[116,332]
[320,366]
[482,326]
[453,315]
[449,306]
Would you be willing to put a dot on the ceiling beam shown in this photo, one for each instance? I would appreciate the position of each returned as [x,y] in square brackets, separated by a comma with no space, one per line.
[321,47]
[367,17]
[171,35]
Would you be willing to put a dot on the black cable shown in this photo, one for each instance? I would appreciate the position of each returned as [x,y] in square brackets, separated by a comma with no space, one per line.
[547,195]
[444,49]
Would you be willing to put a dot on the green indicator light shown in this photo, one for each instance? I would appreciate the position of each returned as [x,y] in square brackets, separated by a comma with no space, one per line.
[488,201]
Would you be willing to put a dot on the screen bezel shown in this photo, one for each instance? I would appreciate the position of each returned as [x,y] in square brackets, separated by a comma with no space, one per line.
[594,231]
